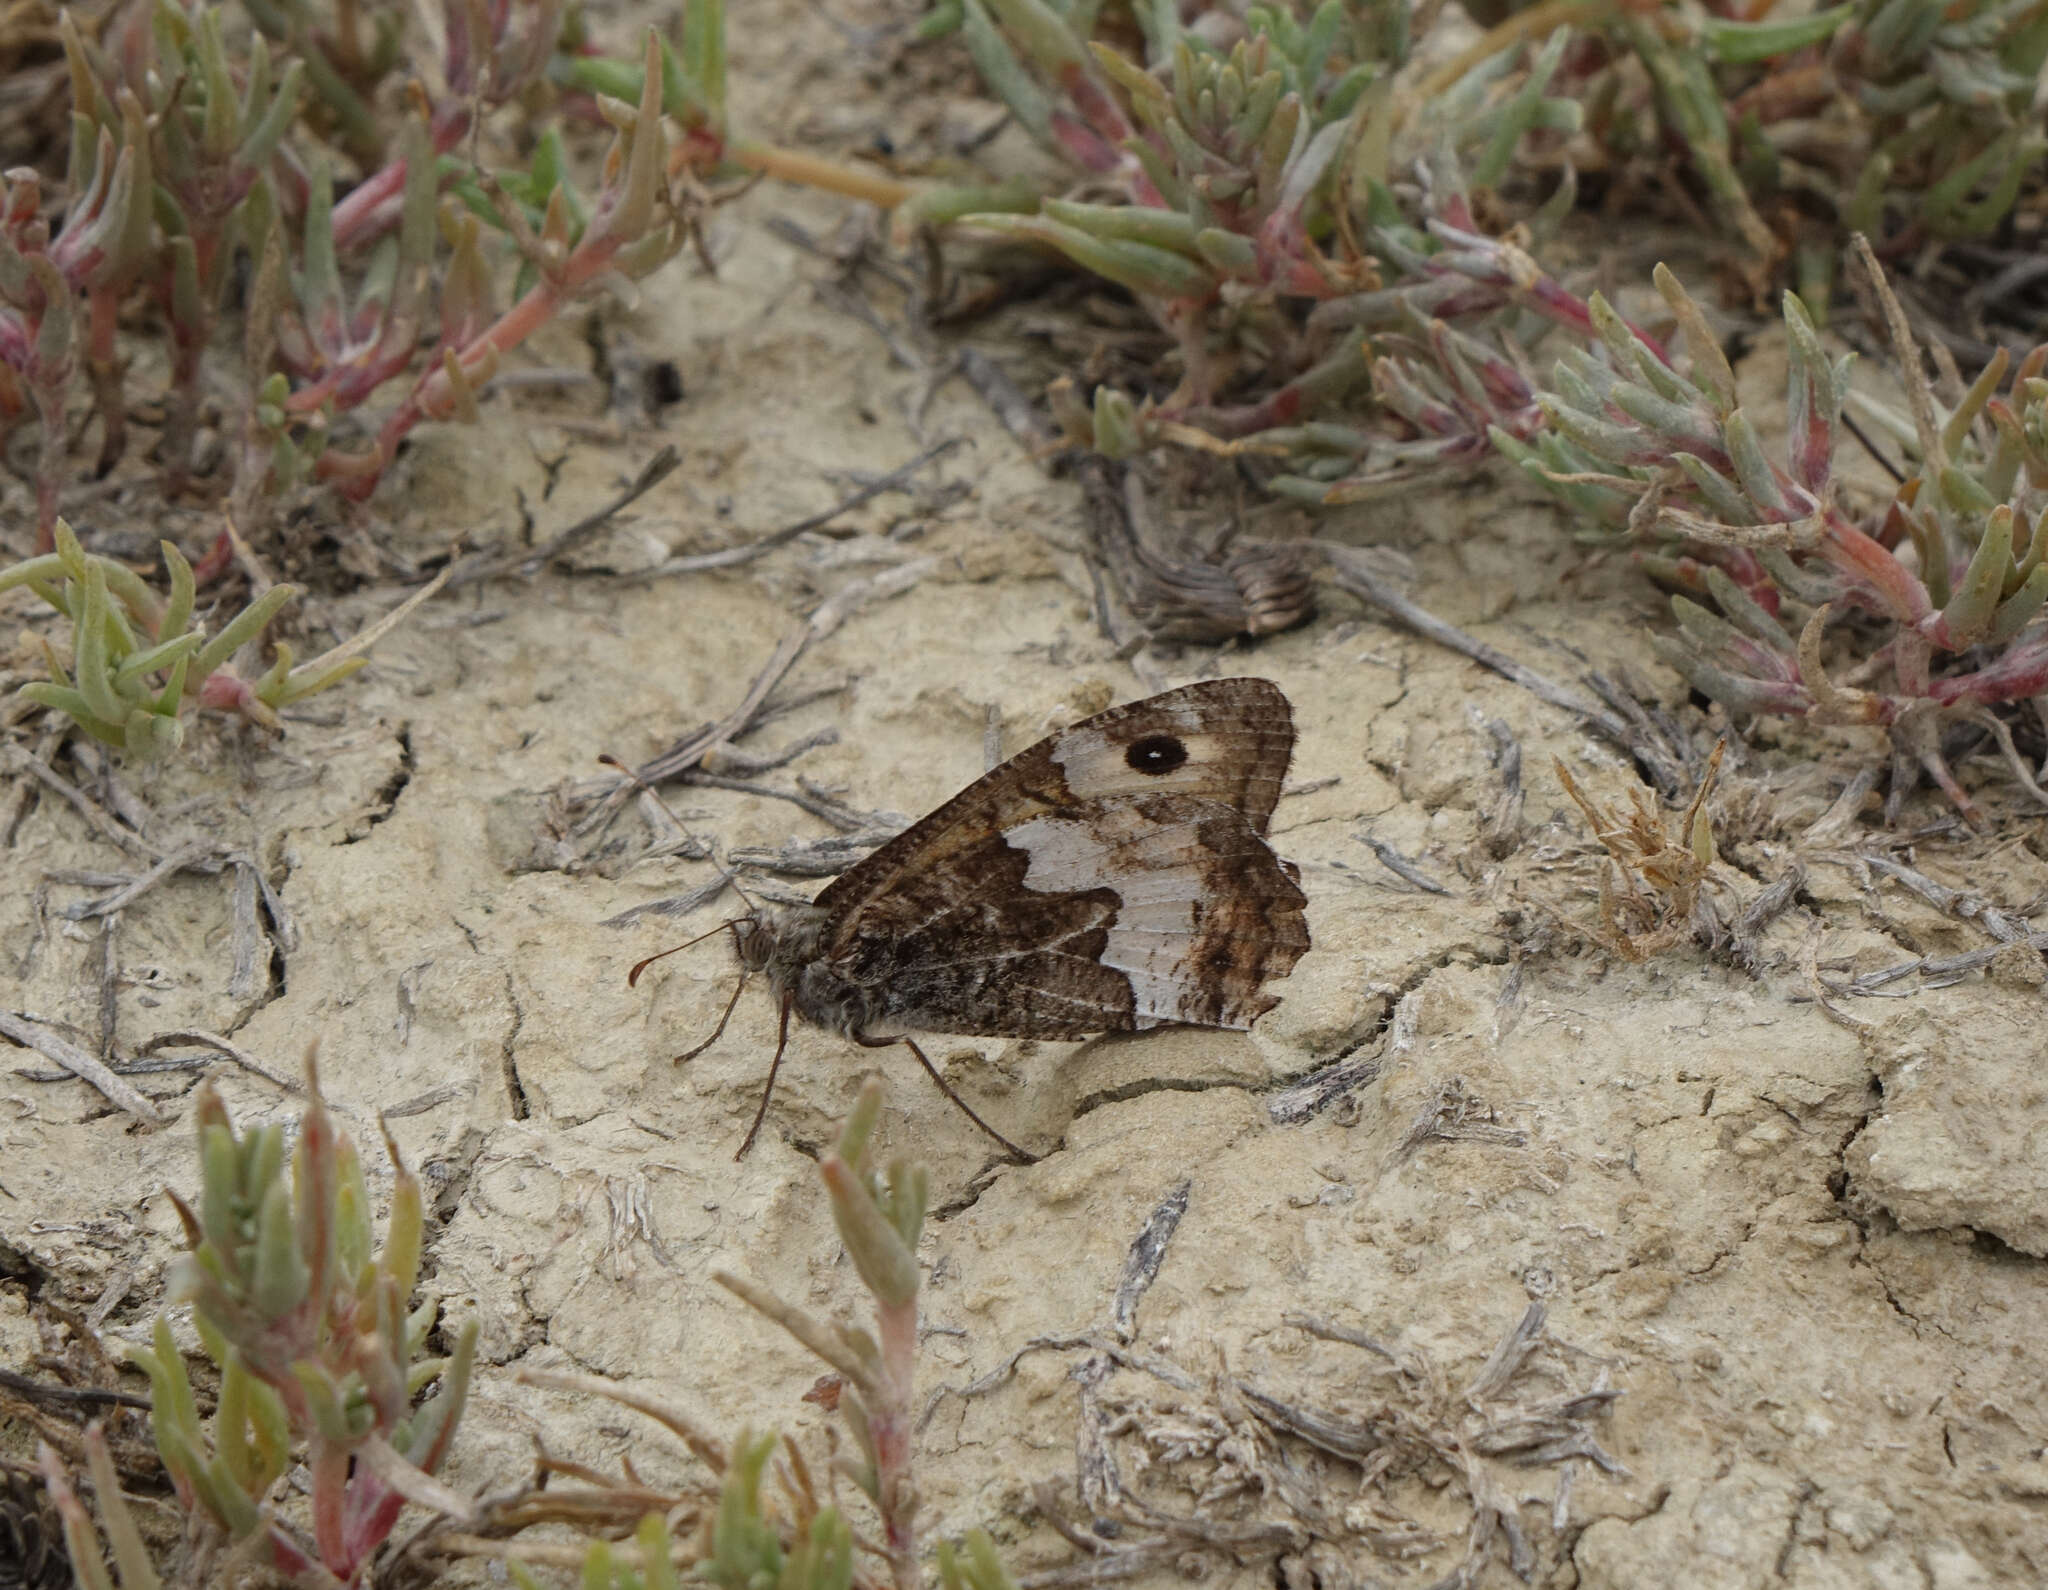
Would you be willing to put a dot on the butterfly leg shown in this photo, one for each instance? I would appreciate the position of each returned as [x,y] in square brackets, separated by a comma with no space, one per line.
[717,1032]
[768,1092]
[1022,1156]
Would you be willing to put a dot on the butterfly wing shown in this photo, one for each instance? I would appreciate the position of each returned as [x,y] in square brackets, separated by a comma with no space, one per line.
[1113,876]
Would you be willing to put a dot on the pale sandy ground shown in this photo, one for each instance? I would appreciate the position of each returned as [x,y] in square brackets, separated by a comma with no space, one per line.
[1809,1255]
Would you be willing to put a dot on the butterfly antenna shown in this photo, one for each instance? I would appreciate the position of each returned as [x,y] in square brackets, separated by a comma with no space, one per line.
[646,788]
[732,879]
[633,977]
[767,1093]
[1022,1156]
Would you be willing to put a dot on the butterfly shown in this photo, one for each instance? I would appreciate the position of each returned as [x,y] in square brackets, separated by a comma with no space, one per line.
[1114,877]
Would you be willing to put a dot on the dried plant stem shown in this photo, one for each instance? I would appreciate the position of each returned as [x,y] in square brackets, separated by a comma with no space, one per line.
[552,1554]
[1356,577]
[85,806]
[83,1396]
[1869,280]
[526,564]
[794,1320]
[415,1485]
[709,1449]
[808,171]
[80,1064]
[183,1036]
[1990,720]
[727,557]
[606,796]
[194,856]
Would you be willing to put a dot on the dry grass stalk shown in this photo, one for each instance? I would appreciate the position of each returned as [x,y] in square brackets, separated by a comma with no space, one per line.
[1651,894]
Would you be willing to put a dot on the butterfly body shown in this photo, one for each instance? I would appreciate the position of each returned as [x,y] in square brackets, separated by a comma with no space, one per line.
[786,943]
[1114,877]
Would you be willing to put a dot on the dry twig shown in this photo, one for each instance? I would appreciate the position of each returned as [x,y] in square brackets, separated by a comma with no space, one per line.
[32,1035]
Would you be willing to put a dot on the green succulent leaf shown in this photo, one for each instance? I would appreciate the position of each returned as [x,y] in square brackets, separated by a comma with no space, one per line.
[1738,43]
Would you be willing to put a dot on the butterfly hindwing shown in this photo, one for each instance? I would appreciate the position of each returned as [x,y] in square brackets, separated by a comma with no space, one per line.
[1205,914]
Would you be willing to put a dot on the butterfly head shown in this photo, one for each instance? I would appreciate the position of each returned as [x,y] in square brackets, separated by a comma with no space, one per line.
[753,940]
[777,940]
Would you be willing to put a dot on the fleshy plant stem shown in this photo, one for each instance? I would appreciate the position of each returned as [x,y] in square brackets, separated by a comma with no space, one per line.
[879,1217]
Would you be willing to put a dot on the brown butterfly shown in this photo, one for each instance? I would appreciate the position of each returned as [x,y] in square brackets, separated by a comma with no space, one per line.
[1112,878]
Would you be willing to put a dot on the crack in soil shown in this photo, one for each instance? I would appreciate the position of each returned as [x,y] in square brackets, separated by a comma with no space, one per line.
[1140,1086]
[1898,1308]
[450,1175]
[1793,1522]
[18,1264]
[508,1064]
[1462,952]
[977,1184]
[1706,1270]
[385,801]
[1839,1184]
[1334,1069]
[1659,1500]
[1990,1245]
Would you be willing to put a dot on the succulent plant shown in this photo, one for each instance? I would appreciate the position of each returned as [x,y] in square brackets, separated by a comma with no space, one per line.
[319,1347]
[197,146]
[879,1216]
[1944,581]
[748,1542]
[321,1357]
[138,661]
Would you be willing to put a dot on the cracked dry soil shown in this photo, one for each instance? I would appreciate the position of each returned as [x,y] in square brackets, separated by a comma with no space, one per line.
[1809,1252]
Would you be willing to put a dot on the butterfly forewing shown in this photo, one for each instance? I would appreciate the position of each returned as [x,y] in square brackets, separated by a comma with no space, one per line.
[1225,740]
[1237,736]
[1113,876]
